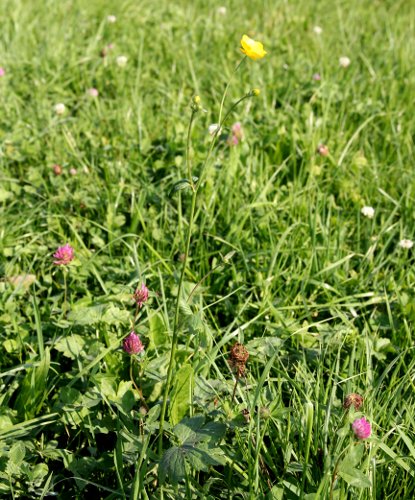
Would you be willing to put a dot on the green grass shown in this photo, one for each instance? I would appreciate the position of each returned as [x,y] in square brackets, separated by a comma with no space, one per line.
[321,296]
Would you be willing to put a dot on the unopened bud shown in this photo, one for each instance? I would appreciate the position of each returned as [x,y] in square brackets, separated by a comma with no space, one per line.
[196,103]
[255,92]
[322,150]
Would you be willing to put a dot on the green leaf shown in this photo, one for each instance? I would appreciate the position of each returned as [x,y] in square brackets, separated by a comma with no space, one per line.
[354,477]
[33,389]
[172,465]
[186,430]
[16,456]
[158,333]
[201,459]
[71,347]
[87,315]
[115,316]
[353,457]
[182,393]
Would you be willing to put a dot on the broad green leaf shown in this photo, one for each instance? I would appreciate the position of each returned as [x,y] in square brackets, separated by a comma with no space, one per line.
[353,457]
[16,456]
[71,346]
[87,315]
[354,477]
[158,333]
[115,316]
[212,432]
[200,459]
[182,393]
[38,473]
[172,465]
[186,430]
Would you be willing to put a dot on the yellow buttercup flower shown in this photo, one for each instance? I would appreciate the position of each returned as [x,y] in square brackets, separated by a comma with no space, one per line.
[251,48]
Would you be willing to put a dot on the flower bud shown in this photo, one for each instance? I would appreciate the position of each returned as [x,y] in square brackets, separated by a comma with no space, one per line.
[196,103]
[322,150]
[141,295]
[254,93]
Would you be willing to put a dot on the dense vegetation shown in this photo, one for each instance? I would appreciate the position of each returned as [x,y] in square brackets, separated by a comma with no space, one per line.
[298,286]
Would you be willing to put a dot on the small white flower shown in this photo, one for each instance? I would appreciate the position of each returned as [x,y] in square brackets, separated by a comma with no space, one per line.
[60,108]
[93,92]
[111,19]
[214,129]
[344,61]
[368,212]
[122,61]
[318,30]
[407,244]
[222,11]
[73,171]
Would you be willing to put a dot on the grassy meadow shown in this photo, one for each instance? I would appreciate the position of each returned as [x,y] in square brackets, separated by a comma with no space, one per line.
[276,250]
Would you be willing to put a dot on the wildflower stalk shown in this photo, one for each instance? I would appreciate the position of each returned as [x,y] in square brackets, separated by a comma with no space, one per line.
[137,388]
[179,291]
[65,294]
[195,188]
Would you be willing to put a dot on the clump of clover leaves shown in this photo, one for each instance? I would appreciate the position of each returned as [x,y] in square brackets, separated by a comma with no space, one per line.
[196,448]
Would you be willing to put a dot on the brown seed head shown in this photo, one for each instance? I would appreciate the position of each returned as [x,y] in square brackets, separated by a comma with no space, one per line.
[354,400]
[239,353]
[238,358]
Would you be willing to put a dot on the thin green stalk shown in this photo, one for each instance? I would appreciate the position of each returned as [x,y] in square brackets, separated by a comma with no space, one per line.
[195,188]
[176,323]
[227,88]
[179,291]
[65,293]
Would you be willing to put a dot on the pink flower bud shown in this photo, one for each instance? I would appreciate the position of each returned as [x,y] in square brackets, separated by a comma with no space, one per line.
[132,344]
[57,169]
[361,428]
[141,295]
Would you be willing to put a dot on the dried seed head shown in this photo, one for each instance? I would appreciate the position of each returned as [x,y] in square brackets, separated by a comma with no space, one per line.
[239,354]
[354,400]
[238,358]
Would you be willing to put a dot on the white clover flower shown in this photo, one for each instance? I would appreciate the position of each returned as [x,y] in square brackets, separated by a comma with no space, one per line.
[93,92]
[122,61]
[214,129]
[344,61]
[222,11]
[318,30]
[60,108]
[111,19]
[368,212]
[407,244]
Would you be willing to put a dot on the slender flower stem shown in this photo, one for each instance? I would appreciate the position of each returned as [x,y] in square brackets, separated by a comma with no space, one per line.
[65,293]
[189,131]
[137,388]
[234,389]
[333,477]
[227,88]
[176,322]
[179,291]
[195,188]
